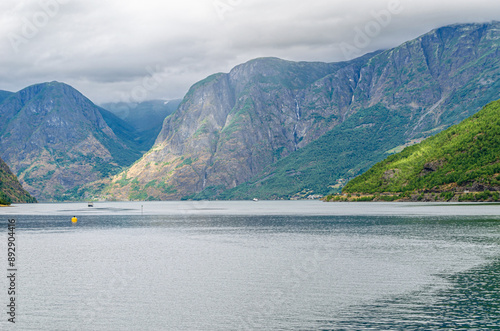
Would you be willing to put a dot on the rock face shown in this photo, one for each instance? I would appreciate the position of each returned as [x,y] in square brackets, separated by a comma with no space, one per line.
[11,190]
[231,127]
[55,140]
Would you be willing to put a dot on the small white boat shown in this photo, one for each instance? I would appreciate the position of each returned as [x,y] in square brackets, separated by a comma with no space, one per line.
[255,199]
[91,204]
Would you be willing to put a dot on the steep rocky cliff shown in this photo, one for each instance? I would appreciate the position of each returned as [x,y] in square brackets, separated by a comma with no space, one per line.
[242,130]
[55,140]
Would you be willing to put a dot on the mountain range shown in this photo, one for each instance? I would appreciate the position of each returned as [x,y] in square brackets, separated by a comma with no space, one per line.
[269,128]
[273,129]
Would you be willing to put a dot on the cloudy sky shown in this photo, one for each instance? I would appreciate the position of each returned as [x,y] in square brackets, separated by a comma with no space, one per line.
[133,50]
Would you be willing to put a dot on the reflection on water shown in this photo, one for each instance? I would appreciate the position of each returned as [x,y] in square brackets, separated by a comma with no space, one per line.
[243,272]
[471,301]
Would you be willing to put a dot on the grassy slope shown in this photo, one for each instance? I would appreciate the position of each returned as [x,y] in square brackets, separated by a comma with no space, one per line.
[463,157]
[10,189]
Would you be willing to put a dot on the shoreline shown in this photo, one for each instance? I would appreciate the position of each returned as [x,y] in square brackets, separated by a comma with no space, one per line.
[447,196]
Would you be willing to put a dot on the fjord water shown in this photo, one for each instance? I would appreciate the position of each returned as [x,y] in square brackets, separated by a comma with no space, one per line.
[302,265]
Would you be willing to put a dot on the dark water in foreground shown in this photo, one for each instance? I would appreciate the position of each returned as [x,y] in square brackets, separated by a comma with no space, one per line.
[247,272]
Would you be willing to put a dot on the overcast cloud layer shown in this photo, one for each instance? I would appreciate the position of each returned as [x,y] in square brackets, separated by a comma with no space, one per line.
[156,49]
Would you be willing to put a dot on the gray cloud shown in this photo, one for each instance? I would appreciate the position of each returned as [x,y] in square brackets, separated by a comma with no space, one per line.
[112,50]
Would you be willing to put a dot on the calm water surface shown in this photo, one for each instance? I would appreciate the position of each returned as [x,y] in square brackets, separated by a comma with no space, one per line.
[254,266]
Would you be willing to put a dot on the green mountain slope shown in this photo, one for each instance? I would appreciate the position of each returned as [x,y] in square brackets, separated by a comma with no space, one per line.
[456,163]
[10,188]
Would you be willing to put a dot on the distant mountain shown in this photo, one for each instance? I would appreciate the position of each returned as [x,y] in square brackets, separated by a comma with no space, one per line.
[461,163]
[11,190]
[56,140]
[277,129]
[145,117]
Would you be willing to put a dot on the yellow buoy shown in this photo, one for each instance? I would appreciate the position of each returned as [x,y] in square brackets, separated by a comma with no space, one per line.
[74,219]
